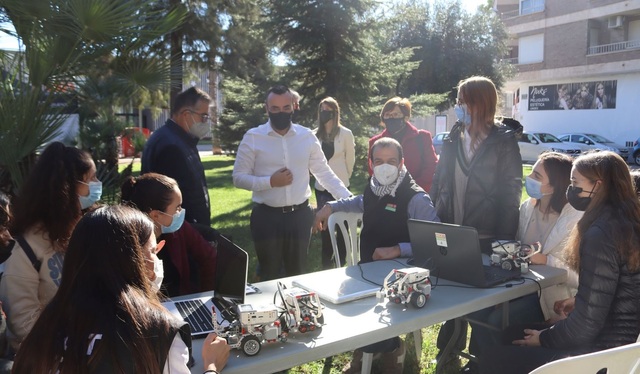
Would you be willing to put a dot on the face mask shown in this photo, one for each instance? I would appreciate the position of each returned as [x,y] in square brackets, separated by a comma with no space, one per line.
[158,270]
[463,114]
[176,222]
[534,188]
[325,116]
[578,202]
[199,129]
[385,174]
[95,193]
[393,125]
[280,121]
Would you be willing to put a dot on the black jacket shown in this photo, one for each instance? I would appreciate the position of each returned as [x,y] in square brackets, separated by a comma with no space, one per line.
[607,307]
[173,152]
[494,187]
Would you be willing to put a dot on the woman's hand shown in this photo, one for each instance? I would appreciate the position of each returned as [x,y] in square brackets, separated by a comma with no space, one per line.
[215,353]
[531,339]
[538,259]
[564,307]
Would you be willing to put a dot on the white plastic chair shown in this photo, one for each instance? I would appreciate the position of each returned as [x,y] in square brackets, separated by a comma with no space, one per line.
[351,235]
[619,360]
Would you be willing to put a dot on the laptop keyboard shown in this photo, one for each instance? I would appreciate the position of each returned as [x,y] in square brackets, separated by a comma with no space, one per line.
[196,314]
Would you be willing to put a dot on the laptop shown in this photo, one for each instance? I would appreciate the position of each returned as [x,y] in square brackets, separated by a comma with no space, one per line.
[452,252]
[339,286]
[232,266]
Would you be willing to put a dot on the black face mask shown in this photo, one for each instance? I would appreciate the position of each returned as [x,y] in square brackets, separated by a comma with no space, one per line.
[393,124]
[280,121]
[325,116]
[578,202]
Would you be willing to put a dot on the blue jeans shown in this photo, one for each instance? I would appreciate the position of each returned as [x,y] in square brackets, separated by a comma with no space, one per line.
[523,310]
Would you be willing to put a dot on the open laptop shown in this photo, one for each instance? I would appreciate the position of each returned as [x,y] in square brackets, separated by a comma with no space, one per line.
[339,286]
[452,252]
[232,266]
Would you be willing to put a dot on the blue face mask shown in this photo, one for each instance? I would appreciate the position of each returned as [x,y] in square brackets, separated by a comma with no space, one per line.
[534,188]
[95,193]
[176,222]
[463,114]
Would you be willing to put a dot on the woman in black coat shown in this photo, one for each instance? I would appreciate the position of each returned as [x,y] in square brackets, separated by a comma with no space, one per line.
[604,248]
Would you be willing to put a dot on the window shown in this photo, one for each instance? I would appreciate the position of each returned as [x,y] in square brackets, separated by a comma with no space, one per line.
[531,6]
[531,49]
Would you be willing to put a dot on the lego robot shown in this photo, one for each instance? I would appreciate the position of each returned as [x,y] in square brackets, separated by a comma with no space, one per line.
[409,285]
[510,254]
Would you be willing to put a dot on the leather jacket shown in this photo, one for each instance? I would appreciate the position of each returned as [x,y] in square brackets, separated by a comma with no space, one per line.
[494,186]
[607,306]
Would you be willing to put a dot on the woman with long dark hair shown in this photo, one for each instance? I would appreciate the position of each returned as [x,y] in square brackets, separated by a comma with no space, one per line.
[61,184]
[188,260]
[338,146]
[106,317]
[604,248]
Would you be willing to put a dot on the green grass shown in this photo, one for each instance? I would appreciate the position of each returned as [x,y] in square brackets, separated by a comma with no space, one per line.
[230,212]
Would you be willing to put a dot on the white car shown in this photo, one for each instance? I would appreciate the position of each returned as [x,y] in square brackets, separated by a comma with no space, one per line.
[595,142]
[533,144]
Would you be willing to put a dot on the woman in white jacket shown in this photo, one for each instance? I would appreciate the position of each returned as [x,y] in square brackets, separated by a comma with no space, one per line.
[545,217]
[339,149]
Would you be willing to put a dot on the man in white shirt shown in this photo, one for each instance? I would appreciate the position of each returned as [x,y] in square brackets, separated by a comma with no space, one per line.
[274,161]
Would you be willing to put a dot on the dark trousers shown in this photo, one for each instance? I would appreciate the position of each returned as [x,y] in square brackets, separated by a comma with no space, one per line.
[281,239]
[322,197]
[513,359]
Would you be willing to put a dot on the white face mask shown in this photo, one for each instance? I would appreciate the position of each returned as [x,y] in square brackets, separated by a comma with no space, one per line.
[385,174]
[199,129]
[158,270]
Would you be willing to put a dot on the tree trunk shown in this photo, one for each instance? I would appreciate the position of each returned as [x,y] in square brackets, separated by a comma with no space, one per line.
[176,59]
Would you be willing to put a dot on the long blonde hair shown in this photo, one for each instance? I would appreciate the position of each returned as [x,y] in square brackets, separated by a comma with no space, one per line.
[615,192]
[481,97]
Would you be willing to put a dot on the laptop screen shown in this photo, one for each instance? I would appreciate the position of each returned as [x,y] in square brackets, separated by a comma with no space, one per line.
[231,270]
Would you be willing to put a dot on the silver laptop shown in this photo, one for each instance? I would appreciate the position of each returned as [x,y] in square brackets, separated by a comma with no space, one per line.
[232,266]
[452,252]
[339,286]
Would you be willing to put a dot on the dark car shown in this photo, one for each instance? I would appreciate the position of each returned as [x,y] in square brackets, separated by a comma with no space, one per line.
[636,152]
[437,141]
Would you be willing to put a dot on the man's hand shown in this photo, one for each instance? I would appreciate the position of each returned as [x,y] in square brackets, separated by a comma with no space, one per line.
[564,307]
[531,338]
[322,216]
[281,178]
[386,253]
[215,353]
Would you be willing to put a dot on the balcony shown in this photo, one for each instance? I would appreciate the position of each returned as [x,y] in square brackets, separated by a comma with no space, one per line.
[614,47]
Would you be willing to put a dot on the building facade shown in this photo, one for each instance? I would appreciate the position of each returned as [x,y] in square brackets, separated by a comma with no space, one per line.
[578,66]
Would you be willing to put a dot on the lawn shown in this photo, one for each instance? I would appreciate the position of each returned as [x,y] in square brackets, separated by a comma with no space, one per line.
[231,209]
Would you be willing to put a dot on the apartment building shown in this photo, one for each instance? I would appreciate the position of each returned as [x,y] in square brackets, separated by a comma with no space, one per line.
[578,66]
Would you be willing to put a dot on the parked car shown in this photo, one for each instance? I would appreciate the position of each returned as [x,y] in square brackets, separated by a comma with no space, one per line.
[596,141]
[533,144]
[636,152]
[437,141]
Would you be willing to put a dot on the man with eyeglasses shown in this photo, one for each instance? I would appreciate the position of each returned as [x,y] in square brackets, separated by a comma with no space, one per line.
[172,150]
[274,161]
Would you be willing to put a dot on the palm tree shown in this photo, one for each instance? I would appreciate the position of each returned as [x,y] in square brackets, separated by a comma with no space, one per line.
[95,48]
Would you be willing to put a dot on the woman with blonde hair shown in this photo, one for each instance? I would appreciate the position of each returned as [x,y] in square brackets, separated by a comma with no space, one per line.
[478,181]
[339,148]
[604,248]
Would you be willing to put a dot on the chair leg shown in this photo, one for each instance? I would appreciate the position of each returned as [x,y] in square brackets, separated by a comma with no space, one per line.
[417,341]
[367,361]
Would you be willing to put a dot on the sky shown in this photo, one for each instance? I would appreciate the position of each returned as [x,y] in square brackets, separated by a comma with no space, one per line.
[7,42]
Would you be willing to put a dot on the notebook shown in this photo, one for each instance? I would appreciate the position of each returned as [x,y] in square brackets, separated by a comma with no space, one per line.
[339,286]
[232,266]
[452,252]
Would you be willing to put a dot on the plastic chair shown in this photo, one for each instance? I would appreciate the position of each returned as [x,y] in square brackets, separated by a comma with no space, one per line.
[619,360]
[348,224]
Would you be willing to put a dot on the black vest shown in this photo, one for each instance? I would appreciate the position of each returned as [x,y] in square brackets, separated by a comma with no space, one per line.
[384,222]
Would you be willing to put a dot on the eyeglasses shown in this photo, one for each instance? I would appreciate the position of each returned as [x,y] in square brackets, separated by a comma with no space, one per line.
[205,117]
